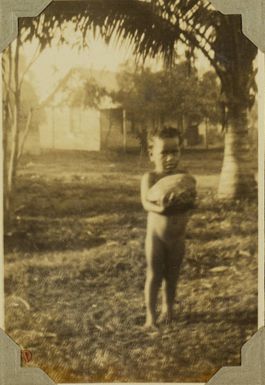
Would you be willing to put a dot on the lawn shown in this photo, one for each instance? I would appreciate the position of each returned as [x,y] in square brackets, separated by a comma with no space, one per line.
[75,270]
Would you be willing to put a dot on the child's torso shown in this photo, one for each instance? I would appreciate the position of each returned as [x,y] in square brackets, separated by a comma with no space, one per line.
[169,226]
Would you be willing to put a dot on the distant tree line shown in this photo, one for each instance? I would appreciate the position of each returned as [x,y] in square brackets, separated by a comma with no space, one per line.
[176,96]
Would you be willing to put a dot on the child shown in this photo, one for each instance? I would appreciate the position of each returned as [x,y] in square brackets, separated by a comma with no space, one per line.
[166,225]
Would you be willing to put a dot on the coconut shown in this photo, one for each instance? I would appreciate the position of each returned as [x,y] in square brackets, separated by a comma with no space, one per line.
[182,186]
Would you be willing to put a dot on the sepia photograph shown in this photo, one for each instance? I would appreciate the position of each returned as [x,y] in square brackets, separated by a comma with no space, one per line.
[130,164]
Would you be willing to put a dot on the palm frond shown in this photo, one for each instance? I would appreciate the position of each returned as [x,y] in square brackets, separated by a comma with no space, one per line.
[151,28]
[131,20]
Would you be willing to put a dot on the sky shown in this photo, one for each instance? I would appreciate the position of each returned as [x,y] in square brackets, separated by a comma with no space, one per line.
[55,62]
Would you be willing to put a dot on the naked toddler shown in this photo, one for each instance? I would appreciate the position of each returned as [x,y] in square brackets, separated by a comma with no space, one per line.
[166,225]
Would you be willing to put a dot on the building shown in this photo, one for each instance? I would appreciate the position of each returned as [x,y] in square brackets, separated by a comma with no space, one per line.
[78,118]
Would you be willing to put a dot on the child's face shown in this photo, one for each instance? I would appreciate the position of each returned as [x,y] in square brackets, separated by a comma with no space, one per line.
[165,154]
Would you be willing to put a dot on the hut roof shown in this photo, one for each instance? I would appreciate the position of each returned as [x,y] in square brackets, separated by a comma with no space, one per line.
[71,89]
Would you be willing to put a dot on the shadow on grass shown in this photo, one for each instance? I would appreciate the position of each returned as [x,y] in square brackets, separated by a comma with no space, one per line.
[51,213]
[34,235]
[57,199]
[242,317]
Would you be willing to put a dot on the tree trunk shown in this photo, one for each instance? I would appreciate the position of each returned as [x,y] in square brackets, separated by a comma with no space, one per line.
[8,117]
[5,165]
[124,130]
[11,165]
[24,135]
[237,177]
[206,133]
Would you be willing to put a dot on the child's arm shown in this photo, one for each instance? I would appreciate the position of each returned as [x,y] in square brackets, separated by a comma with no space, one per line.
[146,184]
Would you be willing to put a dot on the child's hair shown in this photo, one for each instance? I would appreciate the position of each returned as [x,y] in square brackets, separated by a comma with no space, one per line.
[165,132]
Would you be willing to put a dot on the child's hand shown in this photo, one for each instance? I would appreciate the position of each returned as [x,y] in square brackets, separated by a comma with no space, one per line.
[168,200]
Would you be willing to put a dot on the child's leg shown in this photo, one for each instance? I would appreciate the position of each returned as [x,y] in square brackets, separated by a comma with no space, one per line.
[155,254]
[173,262]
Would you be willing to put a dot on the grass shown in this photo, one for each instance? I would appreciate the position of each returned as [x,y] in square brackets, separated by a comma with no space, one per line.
[75,270]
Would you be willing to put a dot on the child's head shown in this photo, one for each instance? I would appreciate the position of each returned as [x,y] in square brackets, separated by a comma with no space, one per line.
[164,149]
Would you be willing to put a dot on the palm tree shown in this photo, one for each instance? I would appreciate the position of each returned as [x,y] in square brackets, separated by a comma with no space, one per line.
[155,28]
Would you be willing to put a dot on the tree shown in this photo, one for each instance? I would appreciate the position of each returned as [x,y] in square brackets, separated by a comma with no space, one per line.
[16,126]
[155,28]
[29,118]
[20,104]
[169,96]
[209,98]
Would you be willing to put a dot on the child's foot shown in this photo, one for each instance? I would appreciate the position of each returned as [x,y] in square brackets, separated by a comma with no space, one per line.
[166,318]
[150,327]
